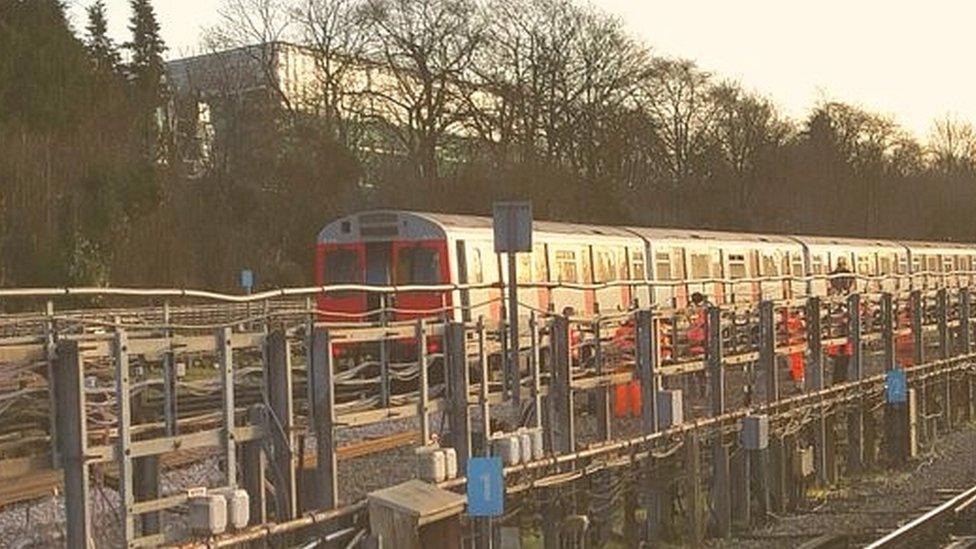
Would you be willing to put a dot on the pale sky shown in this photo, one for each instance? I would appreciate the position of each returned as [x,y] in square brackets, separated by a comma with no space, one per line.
[911,61]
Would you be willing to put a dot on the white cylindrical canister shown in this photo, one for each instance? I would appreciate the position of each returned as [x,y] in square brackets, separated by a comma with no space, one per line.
[431,466]
[525,444]
[538,449]
[450,462]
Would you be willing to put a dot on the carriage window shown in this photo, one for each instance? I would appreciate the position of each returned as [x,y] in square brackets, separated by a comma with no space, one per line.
[769,267]
[917,263]
[816,264]
[566,270]
[418,266]
[621,257]
[948,264]
[604,265]
[784,263]
[963,263]
[525,267]
[342,267]
[701,265]
[737,266]
[885,264]
[864,264]
[678,264]
[932,264]
[902,265]
[476,268]
[637,265]
[541,267]
[797,264]
[587,270]
[662,263]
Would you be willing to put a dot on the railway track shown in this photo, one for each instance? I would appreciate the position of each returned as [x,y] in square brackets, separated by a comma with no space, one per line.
[948,522]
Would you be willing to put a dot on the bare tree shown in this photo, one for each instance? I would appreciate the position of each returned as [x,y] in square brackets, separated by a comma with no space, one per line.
[332,31]
[678,97]
[952,145]
[258,29]
[425,48]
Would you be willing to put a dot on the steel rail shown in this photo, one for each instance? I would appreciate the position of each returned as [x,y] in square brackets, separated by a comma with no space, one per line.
[916,527]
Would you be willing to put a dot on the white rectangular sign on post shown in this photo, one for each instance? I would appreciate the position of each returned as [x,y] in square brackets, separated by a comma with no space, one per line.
[512,222]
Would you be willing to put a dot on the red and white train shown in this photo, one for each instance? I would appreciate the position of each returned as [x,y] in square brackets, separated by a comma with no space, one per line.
[413,248]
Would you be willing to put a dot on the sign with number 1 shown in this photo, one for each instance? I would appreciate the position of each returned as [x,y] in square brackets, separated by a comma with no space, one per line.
[486,487]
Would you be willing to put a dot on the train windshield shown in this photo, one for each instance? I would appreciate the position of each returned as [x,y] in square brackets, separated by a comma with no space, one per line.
[342,267]
[418,266]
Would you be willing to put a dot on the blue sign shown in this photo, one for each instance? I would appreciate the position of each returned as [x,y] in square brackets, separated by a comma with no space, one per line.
[896,387]
[247,279]
[486,487]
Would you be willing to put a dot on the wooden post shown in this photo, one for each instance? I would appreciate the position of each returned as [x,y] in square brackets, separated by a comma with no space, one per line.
[281,426]
[323,420]
[123,410]
[255,465]
[767,350]
[647,369]
[942,317]
[225,359]
[73,436]
[535,365]
[603,391]
[855,372]
[918,357]
[693,489]
[721,495]
[631,531]
[815,377]
[739,483]
[459,377]
[965,344]
[778,474]
[561,421]
[384,355]
[423,400]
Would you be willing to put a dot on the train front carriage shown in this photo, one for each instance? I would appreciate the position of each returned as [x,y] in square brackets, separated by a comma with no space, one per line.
[383,249]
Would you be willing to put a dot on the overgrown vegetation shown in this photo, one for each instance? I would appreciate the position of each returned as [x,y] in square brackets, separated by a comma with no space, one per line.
[547,100]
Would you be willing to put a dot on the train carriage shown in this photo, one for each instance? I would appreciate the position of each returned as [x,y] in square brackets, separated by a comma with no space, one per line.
[630,266]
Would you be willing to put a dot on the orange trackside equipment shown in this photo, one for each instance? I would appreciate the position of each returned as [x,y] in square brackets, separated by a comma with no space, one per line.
[635,399]
[620,400]
[794,334]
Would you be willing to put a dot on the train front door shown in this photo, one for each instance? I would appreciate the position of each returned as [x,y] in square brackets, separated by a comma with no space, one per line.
[378,262]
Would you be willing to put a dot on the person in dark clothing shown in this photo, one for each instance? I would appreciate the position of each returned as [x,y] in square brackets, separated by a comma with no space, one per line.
[841,284]
[842,279]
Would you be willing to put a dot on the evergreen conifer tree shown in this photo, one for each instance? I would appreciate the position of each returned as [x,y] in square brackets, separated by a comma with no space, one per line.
[101,48]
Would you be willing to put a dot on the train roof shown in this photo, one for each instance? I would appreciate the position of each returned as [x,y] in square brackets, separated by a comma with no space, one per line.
[411,224]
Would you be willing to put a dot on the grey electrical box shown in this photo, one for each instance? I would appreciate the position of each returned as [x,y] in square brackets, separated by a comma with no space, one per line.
[755,432]
[208,514]
[669,408]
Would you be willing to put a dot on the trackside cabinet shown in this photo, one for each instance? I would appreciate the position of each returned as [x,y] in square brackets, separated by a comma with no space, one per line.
[415,515]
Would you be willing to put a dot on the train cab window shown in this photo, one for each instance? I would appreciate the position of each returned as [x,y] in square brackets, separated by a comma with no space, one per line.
[418,266]
[476,267]
[585,261]
[902,264]
[566,268]
[662,265]
[541,265]
[737,266]
[525,268]
[637,265]
[701,265]
[604,265]
[917,263]
[342,267]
